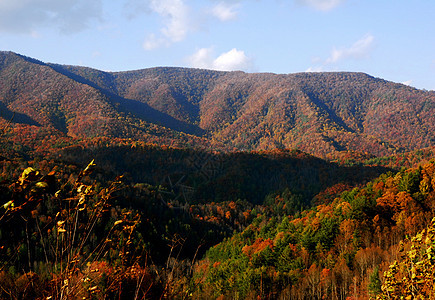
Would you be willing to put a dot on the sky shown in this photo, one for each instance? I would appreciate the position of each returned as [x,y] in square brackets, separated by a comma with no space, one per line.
[393,40]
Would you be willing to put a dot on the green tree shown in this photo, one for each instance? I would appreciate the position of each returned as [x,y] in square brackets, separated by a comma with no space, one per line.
[375,282]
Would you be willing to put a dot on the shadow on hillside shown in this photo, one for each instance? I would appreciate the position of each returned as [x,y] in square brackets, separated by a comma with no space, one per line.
[138,109]
[209,177]
[334,117]
[16,117]
[147,113]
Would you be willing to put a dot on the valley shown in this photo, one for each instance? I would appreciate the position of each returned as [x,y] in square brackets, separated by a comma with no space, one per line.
[178,183]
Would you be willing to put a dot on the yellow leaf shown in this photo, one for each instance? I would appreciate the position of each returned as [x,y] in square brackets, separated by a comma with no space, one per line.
[87,169]
[41,185]
[28,173]
[81,200]
[81,188]
[8,204]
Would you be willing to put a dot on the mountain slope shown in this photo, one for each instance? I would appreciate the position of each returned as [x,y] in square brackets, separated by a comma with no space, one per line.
[35,93]
[320,113]
[49,98]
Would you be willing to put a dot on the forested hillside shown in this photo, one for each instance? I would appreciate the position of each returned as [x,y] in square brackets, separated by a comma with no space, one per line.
[174,183]
[319,113]
[334,250]
[274,223]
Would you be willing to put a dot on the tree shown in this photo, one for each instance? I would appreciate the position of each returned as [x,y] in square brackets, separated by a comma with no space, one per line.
[413,276]
[375,282]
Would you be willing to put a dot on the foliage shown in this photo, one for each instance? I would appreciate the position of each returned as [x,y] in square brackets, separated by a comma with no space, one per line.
[212,203]
[413,275]
[333,250]
[325,114]
[65,243]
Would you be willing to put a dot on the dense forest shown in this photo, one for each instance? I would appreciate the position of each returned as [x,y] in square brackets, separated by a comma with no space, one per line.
[172,183]
[321,114]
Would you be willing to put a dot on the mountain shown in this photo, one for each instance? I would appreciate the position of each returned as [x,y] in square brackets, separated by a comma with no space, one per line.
[137,179]
[319,113]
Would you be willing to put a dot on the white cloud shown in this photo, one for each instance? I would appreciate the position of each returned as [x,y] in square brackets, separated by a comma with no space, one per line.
[27,16]
[175,15]
[225,11]
[179,20]
[314,69]
[232,60]
[152,42]
[360,49]
[203,59]
[408,82]
[323,5]
[227,61]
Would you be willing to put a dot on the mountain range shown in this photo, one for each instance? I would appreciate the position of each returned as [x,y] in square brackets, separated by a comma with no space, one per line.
[320,113]
[188,183]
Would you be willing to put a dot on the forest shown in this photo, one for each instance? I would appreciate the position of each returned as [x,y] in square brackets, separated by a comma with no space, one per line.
[172,183]
[322,114]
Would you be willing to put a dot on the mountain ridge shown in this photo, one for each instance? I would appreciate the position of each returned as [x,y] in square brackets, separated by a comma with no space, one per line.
[104,166]
[319,113]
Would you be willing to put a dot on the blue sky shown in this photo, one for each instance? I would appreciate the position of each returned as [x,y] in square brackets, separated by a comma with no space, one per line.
[394,40]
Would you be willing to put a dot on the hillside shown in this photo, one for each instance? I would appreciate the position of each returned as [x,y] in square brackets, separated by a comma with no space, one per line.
[319,113]
[335,251]
[177,183]
[208,225]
